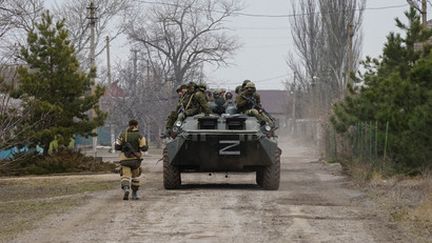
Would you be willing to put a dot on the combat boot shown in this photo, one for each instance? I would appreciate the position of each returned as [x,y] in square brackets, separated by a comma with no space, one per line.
[135,195]
[126,193]
[135,192]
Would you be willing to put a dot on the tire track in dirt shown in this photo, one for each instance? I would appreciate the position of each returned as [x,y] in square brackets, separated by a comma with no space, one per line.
[315,203]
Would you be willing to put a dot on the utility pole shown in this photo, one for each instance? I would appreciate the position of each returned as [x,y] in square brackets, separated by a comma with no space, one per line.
[92,56]
[350,58]
[135,66]
[293,93]
[147,82]
[112,132]
[424,11]
[108,60]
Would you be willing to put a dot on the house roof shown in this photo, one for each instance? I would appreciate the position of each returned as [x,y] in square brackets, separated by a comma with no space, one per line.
[274,101]
[115,90]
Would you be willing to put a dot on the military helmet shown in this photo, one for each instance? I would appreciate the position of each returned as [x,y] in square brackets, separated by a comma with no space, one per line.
[192,86]
[191,83]
[246,82]
[250,85]
[202,86]
[180,87]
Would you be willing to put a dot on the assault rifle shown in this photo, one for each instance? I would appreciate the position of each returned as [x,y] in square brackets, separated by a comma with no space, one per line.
[181,109]
[129,151]
[259,107]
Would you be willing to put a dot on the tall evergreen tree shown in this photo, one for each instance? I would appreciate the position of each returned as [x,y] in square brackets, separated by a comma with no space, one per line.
[54,87]
[397,88]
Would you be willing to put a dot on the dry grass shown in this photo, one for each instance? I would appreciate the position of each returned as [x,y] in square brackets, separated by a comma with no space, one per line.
[24,201]
[407,202]
[404,200]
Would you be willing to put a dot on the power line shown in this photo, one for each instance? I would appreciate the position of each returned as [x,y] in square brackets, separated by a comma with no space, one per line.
[305,14]
[272,15]
[255,81]
[261,28]
[271,78]
[266,46]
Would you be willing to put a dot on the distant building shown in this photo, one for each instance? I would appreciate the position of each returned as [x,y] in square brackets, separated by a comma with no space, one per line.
[9,74]
[276,103]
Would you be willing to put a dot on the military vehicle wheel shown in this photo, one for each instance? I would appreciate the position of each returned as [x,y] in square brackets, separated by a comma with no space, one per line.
[259,177]
[171,174]
[271,174]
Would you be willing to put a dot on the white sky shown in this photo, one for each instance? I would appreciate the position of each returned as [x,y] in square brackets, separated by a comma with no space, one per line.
[266,42]
[265,48]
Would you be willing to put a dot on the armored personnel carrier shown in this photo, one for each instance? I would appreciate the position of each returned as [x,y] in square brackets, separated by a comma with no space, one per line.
[222,143]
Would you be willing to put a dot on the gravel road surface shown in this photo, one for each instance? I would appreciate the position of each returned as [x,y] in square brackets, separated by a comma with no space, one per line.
[315,203]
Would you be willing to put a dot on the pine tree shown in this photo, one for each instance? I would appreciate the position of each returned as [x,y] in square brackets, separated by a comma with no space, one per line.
[397,88]
[54,88]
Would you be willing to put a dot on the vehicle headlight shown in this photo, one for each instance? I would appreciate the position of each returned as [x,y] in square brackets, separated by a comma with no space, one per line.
[175,129]
[267,128]
[178,124]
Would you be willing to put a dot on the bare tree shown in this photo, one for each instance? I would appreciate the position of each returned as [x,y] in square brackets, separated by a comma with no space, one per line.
[341,22]
[17,17]
[415,4]
[327,39]
[142,99]
[19,14]
[180,36]
[308,40]
[110,15]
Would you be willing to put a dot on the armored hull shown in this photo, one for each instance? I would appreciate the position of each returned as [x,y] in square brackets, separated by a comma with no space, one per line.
[227,143]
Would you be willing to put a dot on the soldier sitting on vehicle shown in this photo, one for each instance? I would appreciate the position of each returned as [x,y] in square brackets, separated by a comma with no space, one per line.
[241,87]
[229,105]
[196,101]
[181,91]
[219,101]
[249,103]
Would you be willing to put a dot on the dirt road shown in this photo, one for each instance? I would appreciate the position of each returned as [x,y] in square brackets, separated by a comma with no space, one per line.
[314,204]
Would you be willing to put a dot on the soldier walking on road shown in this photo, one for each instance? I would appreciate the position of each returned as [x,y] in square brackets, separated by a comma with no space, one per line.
[131,143]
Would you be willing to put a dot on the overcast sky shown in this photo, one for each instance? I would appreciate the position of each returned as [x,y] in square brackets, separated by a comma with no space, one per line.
[266,41]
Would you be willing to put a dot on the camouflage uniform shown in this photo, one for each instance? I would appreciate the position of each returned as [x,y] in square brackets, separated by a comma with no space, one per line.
[219,102]
[181,103]
[196,101]
[129,174]
[249,103]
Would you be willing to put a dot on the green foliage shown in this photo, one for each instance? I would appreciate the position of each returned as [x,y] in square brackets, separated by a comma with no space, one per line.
[397,88]
[65,161]
[54,88]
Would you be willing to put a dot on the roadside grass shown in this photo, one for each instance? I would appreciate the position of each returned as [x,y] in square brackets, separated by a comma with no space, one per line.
[405,200]
[25,201]
[64,161]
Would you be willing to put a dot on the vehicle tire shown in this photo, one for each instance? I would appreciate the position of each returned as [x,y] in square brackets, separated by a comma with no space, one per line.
[271,174]
[259,177]
[171,174]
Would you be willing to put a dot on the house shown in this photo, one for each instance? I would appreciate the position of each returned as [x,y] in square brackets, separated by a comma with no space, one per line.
[276,103]
[9,74]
